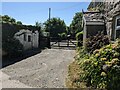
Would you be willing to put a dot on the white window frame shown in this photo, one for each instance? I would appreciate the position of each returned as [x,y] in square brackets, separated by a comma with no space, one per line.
[116,27]
[116,23]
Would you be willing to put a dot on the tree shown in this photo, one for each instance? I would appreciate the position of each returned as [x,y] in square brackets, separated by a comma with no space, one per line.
[12,21]
[37,24]
[55,26]
[9,44]
[76,25]
[19,23]
[6,18]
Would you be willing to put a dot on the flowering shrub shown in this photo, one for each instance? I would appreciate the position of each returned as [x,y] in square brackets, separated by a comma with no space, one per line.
[96,42]
[102,68]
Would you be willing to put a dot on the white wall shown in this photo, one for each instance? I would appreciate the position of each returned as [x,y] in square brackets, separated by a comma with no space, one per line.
[35,38]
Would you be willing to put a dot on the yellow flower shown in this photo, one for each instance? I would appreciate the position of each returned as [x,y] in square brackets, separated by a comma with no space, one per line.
[103,74]
[101,49]
[116,54]
[108,64]
[96,64]
[115,61]
[96,55]
[108,46]
[87,61]
[103,59]
[96,51]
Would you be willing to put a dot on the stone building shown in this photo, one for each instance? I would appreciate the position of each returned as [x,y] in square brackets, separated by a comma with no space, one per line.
[111,12]
[112,17]
[93,23]
[28,39]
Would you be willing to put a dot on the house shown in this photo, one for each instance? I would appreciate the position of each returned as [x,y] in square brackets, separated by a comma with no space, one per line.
[29,39]
[112,17]
[103,15]
[93,23]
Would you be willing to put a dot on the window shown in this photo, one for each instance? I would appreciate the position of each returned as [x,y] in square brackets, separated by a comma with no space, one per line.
[118,22]
[117,31]
[117,25]
[29,38]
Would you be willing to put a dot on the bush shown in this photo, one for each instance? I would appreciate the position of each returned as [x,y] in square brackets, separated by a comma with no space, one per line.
[102,69]
[96,42]
[79,38]
[12,46]
[63,36]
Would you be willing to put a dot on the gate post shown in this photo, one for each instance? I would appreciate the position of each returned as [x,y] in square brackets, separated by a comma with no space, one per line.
[68,38]
[48,41]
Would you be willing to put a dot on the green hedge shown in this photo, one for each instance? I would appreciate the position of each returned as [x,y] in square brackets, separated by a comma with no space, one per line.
[79,38]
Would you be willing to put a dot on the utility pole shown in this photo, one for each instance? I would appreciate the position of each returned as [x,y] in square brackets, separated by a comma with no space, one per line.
[49,13]
[49,46]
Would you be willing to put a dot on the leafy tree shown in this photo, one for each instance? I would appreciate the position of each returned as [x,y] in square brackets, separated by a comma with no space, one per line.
[55,26]
[12,21]
[9,44]
[19,23]
[8,19]
[76,25]
[37,24]
[5,18]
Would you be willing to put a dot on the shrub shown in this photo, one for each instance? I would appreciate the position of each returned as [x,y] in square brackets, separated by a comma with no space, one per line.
[102,69]
[12,46]
[79,38]
[63,35]
[96,42]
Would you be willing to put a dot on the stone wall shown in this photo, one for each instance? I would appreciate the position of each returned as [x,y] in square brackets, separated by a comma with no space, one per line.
[112,10]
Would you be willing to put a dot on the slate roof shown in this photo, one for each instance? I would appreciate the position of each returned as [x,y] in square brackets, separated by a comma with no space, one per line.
[93,16]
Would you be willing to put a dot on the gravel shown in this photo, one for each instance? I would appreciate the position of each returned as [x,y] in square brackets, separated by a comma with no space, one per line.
[47,69]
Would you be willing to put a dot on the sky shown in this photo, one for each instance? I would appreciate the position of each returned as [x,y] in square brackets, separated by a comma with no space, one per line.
[30,12]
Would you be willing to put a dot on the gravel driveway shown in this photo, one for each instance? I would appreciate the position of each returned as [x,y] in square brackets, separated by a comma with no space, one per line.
[47,69]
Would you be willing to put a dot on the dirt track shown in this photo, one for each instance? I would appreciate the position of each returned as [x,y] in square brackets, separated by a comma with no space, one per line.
[47,69]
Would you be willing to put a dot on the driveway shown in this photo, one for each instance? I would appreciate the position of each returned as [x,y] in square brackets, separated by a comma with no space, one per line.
[47,69]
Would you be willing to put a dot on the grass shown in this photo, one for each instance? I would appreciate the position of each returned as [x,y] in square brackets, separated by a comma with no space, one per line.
[73,79]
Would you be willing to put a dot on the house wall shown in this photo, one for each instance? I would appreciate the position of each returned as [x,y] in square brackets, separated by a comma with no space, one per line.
[92,30]
[112,11]
[84,34]
[35,37]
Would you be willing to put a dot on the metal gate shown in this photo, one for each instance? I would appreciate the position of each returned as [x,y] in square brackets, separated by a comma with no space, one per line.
[57,42]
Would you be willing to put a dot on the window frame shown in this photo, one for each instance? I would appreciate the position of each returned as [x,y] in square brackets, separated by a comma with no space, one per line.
[29,38]
[117,26]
